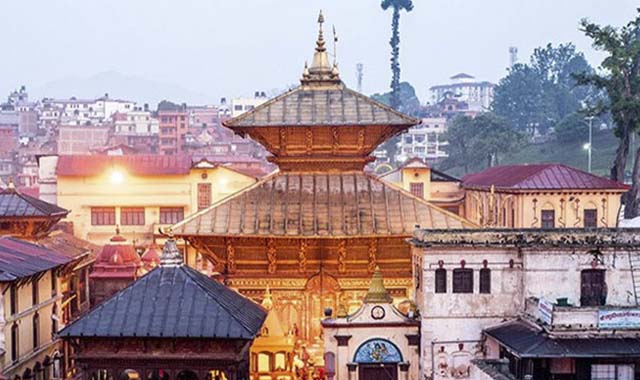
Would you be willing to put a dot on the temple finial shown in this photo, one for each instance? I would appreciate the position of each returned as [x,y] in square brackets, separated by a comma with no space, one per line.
[320,42]
[171,256]
[377,292]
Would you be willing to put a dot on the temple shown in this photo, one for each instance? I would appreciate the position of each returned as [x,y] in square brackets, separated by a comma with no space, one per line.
[316,229]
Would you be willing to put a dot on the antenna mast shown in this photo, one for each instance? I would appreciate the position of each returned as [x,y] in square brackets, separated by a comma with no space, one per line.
[359,74]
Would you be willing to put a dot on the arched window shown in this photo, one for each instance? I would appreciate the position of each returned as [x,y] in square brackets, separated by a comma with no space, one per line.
[264,362]
[47,368]
[15,344]
[37,371]
[441,280]
[54,318]
[463,280]
[485,280]
[158,374]
[129,374]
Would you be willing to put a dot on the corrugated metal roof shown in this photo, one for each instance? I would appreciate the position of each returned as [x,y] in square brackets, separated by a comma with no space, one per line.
[148,164]
[19,259]
[538,177]
[16,204]
[319,205]
[172,302]
[526,340]
[309,106]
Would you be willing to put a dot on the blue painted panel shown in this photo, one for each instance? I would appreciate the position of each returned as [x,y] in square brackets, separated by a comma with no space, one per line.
[378,351]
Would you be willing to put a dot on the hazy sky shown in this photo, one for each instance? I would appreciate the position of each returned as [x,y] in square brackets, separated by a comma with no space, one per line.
[234,47]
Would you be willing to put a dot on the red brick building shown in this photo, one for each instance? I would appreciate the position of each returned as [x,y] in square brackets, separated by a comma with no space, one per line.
[173,126]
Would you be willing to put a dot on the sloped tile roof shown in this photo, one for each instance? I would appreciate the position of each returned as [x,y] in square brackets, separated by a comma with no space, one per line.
[19,259]
[308,106]
[144,164]
[172,302]
[347,204]
[16,204]
[539,177]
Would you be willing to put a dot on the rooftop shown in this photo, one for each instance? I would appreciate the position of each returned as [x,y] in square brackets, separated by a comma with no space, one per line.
[172,301]
[15,204]
[20,259]
[538,177]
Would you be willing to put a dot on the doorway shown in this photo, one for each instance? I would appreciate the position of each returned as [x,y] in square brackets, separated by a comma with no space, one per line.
[380,371]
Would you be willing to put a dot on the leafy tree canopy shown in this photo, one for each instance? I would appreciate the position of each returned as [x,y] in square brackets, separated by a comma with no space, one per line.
[409,102]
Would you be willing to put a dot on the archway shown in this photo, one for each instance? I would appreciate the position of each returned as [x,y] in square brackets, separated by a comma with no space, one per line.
[187,375]
[158,374]
[129,374]
[322,291]
[378,359]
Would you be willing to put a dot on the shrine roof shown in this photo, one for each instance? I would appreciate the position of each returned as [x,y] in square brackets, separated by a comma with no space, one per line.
[328,106]
[319,205]
[20,259]
[172,302]
[547,176]
[14,204]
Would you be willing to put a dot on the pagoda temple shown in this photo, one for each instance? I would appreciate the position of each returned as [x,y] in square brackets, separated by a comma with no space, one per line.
[316,229]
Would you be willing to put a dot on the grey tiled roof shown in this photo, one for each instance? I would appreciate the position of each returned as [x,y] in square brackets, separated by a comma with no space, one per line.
[308,106]
[19,259]
[16,204]
[172,302]
[319,205]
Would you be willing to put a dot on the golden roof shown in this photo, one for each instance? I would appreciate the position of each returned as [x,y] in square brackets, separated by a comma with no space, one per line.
[377,292]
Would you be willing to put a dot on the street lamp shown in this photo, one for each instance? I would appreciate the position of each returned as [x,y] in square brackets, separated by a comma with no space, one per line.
[589,146]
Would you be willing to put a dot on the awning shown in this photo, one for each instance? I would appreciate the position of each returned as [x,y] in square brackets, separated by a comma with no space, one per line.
[527,341]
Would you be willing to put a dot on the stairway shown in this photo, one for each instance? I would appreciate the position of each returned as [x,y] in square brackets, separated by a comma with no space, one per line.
[634,263]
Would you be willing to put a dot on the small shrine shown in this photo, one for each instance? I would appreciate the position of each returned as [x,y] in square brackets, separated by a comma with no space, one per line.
[117,265]
[272,353]
[173,323]
[378,341]
[150,258]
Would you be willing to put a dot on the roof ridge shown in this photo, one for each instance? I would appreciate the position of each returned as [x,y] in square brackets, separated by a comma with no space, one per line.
[197,277]
[229,122]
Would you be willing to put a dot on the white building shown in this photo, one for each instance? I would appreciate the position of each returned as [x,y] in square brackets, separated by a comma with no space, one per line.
[424,141]
[241,105]
[75,111]
[136,122]
[553,304]
[464,87]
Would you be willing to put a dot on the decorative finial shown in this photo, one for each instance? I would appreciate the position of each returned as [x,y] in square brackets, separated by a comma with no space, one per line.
[377,292]
[117,229]
[11,185]
[267,301]
[171,256]
[335,48]
[320,42]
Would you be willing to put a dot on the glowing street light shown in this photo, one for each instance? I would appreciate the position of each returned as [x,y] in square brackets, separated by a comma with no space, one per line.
[116,177]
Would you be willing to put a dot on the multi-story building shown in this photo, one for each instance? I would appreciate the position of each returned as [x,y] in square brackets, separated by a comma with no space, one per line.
[541,196]
[82,139]
[241,105]
[424,141]
[528,303]
[173,127]
[137,193]
[478,95]
[80,111]
[138,129]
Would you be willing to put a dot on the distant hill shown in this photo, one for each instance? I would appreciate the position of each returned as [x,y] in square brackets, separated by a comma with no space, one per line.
[122,86]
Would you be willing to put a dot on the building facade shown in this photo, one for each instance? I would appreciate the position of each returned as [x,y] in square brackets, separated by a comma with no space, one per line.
[173,127]
[424,141]
[478,95]
[557,283]
[541,196]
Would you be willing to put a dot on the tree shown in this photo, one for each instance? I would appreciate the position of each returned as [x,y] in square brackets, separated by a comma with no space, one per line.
[535,97]
[571,129]
[480,142]
[620,78]
[397,6]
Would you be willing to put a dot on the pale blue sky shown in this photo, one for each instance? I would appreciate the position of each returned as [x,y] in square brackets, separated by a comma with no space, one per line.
[229,48]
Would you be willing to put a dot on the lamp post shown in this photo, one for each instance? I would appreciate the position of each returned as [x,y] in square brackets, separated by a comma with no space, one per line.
[589,146]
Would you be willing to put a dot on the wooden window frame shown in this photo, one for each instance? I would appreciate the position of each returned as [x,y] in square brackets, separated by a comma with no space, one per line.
[462,281]
[103,216]
[132,216]
[485,281]
[592,217]
[440,281]
[205,194]
[545,222]
[15,342]
[417,189]
[13,299]
[35,292]
[171,215]
[36,330]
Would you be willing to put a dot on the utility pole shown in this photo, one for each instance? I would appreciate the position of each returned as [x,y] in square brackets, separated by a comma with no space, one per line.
[359,74]
[589,145]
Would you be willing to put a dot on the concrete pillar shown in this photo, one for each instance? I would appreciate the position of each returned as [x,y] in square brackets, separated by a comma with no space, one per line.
[352,367]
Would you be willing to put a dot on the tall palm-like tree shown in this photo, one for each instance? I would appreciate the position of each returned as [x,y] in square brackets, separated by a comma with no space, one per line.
[397,6]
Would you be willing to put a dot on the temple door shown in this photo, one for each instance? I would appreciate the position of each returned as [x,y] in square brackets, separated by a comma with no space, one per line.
[322,292]
[378,371]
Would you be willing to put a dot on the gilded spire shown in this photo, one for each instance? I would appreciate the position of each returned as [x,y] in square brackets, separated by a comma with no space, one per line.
[267,301]
[321,71]
[377,292]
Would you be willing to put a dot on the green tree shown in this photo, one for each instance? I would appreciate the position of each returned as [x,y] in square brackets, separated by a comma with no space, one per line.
[572,128]
[397,6]
[620,78]
[480,142]
[538,95]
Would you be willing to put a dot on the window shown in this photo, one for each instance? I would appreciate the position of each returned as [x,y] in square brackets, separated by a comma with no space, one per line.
[36,331]
[419,138]
[171,215]
[612,372]
[132,216]
[103,216]
[237,107]
[54,284]
[485,280]
[54,318]
[14,343]
[204,195]
[417,189]
[35,299]
[548,219]
[463,280]
[13,299]
[441,280]
[593,289]
[408,139]
[590,218]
